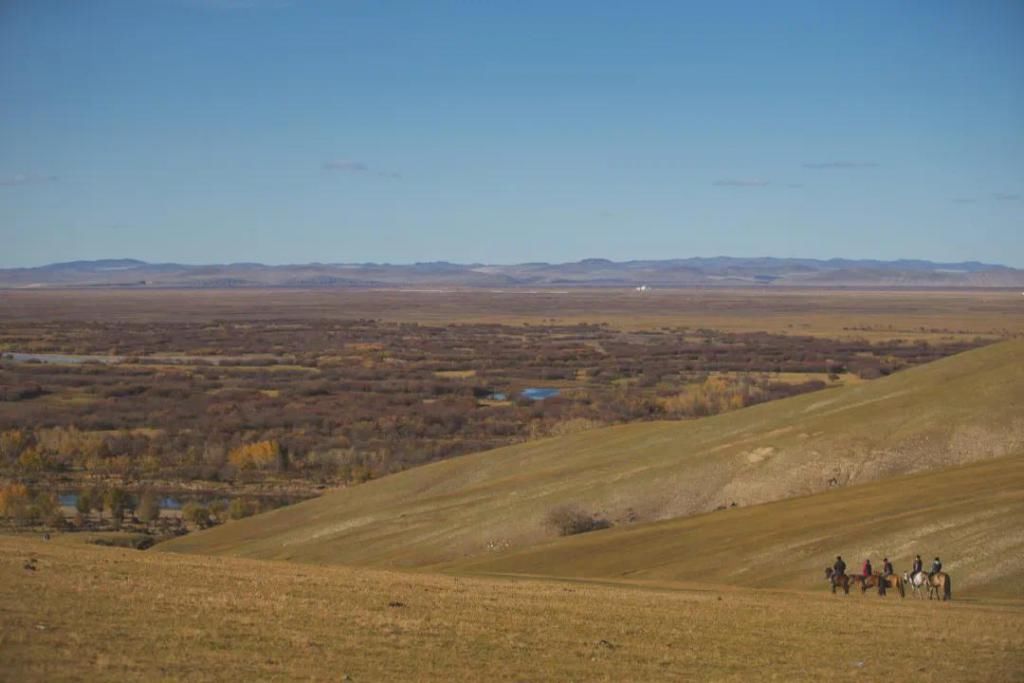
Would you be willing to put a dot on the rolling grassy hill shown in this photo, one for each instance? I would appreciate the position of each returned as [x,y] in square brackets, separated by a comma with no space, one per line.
[963,409]
[970,516]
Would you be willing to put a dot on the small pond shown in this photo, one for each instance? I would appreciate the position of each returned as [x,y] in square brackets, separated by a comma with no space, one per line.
[539,393]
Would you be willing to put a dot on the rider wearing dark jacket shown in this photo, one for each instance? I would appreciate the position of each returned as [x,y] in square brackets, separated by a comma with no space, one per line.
[918,566]
[839,568]
[936,568]
[866,571]
[887,567]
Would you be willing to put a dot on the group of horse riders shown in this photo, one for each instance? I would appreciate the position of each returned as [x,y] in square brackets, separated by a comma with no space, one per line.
[916,577]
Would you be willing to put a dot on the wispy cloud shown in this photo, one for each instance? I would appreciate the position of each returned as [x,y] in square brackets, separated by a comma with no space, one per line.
[839,165]
[741,182]
[26,179]
[1007,196]
[351,166]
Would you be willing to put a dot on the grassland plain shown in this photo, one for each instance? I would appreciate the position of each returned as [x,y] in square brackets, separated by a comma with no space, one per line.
[89,613]
[870,314]
[962,409]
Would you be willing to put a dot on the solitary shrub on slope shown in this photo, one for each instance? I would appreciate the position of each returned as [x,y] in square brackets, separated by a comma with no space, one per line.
[568,520]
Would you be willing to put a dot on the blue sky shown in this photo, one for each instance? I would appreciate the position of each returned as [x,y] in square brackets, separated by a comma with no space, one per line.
[205,131]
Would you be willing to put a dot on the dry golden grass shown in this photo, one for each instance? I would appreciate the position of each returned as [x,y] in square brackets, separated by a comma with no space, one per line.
[455,374]
[110,614]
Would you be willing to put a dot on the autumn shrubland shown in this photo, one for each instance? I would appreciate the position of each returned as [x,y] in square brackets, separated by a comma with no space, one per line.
[300,404]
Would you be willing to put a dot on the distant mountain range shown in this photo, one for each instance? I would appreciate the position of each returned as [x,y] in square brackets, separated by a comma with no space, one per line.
[689,272]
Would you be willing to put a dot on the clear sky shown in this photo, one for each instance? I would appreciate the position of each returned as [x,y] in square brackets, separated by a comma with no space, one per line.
[204,131]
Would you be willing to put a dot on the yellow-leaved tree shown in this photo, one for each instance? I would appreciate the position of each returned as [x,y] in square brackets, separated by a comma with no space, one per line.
[14,502]
[261,455]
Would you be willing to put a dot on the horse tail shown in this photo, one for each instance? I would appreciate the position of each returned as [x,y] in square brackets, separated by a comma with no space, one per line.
[948,593]
[899,587]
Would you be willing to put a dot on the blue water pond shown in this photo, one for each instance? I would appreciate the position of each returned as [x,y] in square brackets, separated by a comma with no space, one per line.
[539,393]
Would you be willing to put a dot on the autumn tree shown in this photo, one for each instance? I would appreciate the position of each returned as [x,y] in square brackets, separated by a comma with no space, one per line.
[83,504]
[240,508]
[116,500]
[196,514]
[218,510]
[31,460]
[46,508]
[149,507]
[97,500]
[14,502]
[261,455]
[12,443]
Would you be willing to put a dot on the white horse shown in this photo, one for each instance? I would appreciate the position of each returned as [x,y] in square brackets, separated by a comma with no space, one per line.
[919,582]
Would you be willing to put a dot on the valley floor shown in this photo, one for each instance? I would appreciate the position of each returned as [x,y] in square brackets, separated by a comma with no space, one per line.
[87,613]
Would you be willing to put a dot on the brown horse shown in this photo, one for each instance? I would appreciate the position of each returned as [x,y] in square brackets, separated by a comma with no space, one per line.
[841,580]
[876,581]
[893,581]
[940,581]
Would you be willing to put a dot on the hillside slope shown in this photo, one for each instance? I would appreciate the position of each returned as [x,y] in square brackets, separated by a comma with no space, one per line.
[108,614]
[962,409]
[970,516]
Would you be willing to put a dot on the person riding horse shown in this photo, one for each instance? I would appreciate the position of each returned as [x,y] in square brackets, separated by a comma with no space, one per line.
[917,568]
[836,575]
[866,571]
[838,569]
[936,568]
[887,571]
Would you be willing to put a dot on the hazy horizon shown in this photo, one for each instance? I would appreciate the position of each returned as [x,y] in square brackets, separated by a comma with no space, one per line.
[284,264]
[212,131]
